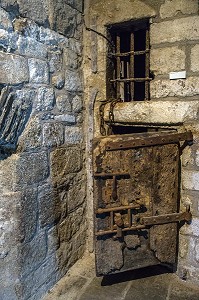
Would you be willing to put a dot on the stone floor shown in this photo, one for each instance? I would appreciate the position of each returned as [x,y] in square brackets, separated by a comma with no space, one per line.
[152,283]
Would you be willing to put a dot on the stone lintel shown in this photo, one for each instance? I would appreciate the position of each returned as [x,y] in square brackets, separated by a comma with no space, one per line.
[154,112]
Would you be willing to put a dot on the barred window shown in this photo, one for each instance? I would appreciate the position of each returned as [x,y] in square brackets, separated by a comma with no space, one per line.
[128,70]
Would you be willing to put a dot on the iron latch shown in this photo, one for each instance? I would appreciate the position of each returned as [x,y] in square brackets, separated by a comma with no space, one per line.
[168,218]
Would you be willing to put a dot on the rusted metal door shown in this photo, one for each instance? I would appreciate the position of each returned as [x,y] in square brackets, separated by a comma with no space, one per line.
[136,184]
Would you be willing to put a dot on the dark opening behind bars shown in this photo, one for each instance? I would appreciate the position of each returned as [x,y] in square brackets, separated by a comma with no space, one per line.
[130,76]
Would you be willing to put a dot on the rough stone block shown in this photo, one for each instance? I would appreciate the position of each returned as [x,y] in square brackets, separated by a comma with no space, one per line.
[11,232]
[53,134]
[63,103]
[32,168]
[51,38]
[7,174]
[77,104]
[6,22]
[190,179]
[36,10]
[73,135]
[187,157]
[71,59]
[53,240]
[15,69]
[71,225]
[176,30]
[76,195]
[66,119]
[155,112]
[32,254]
[73,81]
[172,8]
[9,277]
[58,81]
[45,99]
[164,60]
[195,58]
[63,254]
[78,4]
[75,46]
[55,60]
[29,209]
[191,198]
[39,71]
[191,229]
[60,21]
[4,39]
[30,47]
[175,88]
[31,138]
[183,246]
[197,251]
[78,247]
[197,158]
[44,275]
[64,161]
[49,205]
[8,41]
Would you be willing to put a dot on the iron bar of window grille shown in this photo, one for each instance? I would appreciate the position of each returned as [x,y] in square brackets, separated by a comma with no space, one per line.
[131,79]
[130,52]
[132,84]
[118,65]
[147,66]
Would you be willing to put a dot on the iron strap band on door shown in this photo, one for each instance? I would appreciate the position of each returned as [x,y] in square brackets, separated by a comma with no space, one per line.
[144,222]
[150,141]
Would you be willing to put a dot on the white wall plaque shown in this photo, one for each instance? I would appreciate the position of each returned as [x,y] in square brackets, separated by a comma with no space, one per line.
[177,75]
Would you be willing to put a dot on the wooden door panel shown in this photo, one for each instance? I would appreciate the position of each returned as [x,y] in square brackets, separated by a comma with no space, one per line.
[130,185]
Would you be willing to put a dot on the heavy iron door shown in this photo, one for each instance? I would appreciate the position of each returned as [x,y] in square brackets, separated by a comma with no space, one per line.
[136,184]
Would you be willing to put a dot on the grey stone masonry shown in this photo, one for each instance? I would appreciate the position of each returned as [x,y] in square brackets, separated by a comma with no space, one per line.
[41,146]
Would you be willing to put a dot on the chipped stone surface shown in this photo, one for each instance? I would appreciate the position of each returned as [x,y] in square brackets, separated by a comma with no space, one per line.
[164,60]
[65,161]
[172,8]
[45,99]
[63,103]
[155,112]
[73,81]
[33,253]
[39,72]
[66,118]
[15,69]
[31,48]
[6,22]
[195,58]
[49,205]
[35,10]
[53,134]
[73,135]
[34,165]
[176,30]
[175,88]
[190,179]
[34,184]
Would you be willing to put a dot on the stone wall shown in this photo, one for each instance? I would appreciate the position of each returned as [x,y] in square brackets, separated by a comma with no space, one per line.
[174,39]
[42,170]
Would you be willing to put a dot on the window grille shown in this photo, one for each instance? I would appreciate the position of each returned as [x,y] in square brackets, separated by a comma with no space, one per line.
[130,76]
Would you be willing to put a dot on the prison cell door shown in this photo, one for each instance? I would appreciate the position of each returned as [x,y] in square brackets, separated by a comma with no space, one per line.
[136,183]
